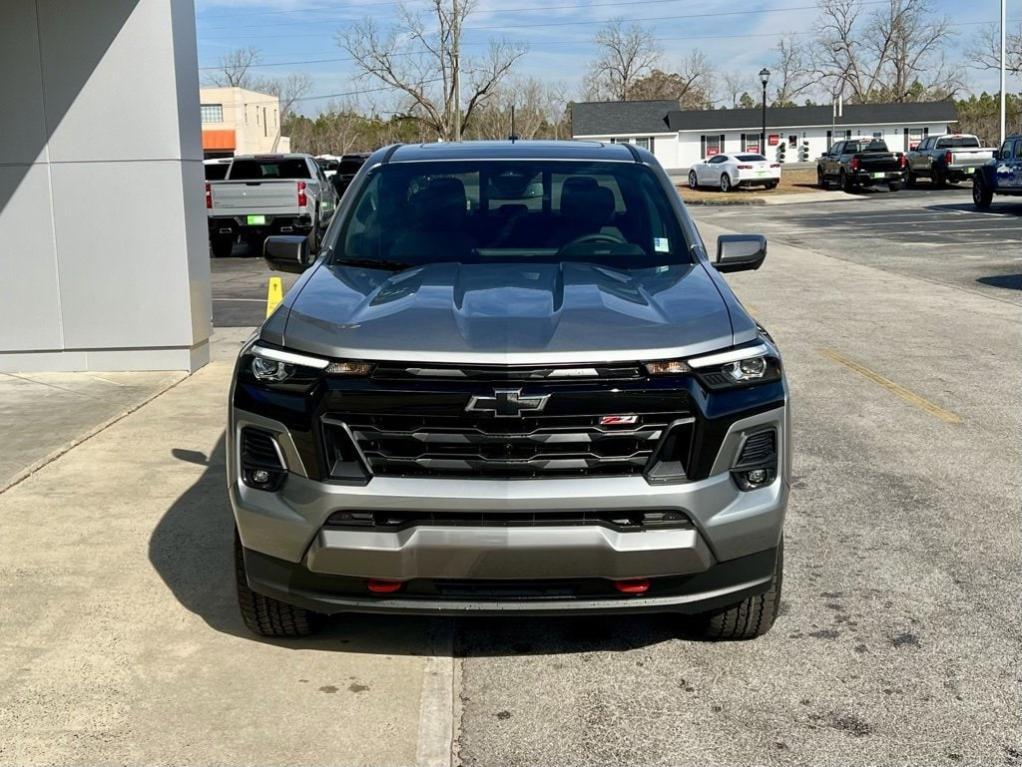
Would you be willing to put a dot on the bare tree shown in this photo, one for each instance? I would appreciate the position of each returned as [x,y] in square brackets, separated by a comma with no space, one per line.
[985,49]
[689,85]
[233,69]
[791,72]
[893,54]
[732,86]
[626,55]
[537,110]
[288,90]
[420,56]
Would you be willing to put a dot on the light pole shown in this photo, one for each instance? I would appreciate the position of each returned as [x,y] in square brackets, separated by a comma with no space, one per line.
[1004,52]
[764,77]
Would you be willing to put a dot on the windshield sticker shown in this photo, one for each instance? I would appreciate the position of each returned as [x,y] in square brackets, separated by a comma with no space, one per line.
[661,245]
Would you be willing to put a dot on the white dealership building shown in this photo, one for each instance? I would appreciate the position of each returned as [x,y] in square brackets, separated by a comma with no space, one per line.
[679,138]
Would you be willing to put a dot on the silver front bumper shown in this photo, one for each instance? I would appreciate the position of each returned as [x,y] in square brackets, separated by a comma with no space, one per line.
[726,522]
[508,553]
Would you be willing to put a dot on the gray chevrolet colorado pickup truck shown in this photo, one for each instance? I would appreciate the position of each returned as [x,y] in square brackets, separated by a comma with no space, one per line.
[512,382]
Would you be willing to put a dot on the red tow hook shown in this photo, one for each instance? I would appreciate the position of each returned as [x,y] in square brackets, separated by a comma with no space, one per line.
[638,586]
[378,586]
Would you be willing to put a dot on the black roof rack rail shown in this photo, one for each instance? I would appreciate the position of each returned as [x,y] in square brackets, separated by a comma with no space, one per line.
[390,153]
[634,151]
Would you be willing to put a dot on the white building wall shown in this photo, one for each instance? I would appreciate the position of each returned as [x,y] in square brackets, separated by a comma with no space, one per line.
[689,143]
[102,226]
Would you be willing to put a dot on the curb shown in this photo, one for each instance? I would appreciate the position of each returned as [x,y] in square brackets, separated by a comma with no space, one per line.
[67,447]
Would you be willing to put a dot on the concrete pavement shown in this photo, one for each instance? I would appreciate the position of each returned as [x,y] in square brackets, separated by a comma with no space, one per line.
[121,642]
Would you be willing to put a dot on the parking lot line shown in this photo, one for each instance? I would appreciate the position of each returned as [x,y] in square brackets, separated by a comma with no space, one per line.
[897,389]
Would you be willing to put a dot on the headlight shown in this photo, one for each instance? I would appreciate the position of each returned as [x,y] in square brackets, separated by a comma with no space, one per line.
[271,365]
[722,370]
[265,369]
[751,369]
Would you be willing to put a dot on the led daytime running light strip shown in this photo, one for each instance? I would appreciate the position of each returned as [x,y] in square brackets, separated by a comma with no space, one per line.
[289,357]
[730,356]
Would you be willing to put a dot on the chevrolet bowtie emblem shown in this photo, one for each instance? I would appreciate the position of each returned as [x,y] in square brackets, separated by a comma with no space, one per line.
[507,403]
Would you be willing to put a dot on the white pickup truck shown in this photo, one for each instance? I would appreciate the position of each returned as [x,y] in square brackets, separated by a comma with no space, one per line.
[947,159]
[263,195]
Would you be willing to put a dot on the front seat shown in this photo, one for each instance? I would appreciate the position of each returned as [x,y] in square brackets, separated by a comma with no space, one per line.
[437,231]
[586,207]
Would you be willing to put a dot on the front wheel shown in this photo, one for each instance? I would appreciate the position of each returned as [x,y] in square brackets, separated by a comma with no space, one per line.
[753,616]
[222,246]
[266,616]
[982,195]
[725,183]
[821,180]
[693,180]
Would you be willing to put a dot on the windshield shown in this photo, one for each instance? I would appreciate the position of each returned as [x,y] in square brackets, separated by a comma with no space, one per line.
[255,170]
[960,142]
[613,214]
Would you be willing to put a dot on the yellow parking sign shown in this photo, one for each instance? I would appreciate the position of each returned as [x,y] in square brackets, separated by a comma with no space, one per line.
[274,294]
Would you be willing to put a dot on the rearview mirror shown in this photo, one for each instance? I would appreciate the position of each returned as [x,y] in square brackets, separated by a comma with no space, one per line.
[287,253]
[740,252]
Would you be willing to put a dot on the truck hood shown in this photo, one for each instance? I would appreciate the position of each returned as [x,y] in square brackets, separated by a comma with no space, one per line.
[508,313]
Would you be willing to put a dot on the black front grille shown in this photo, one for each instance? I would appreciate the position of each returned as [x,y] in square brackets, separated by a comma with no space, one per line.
[472,446]
[623,520]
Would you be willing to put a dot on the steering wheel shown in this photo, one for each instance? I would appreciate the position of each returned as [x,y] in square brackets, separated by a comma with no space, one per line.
[596,237]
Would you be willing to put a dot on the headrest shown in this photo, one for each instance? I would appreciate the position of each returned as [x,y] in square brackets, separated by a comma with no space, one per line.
[585,202]
[441,203]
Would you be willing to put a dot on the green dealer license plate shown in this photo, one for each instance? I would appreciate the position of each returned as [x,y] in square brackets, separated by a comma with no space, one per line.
[255,220]
[879,175]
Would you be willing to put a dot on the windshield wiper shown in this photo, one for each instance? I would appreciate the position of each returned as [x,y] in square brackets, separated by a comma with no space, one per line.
[375,263]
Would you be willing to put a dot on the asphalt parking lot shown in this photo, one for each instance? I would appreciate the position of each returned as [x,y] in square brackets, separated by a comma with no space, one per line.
[933,234]
[897,643]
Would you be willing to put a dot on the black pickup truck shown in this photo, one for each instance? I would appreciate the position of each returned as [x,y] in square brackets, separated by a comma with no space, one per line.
[861,163]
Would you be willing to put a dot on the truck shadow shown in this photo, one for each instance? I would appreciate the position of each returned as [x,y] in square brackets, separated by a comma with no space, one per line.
[191,549]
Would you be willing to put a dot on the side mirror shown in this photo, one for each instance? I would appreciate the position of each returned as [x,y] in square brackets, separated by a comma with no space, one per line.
[287,253]
[740,252]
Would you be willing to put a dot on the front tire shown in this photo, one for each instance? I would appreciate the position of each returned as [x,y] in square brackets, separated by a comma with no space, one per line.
[982,195]
[821,180]
[752,617]
[266,616]
[725,183]
[221,246]
[693,180]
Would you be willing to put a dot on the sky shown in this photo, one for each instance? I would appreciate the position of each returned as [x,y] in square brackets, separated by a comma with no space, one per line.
[300,35]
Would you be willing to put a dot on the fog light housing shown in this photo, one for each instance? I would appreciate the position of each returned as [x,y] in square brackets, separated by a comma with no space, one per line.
[754,479]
